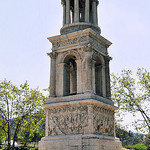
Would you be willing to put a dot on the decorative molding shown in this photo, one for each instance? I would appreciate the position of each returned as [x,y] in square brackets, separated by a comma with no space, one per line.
[71,52]
[69,42]
[52,55]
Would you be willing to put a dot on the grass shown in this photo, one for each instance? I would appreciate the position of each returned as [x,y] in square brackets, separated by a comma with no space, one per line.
[136,147]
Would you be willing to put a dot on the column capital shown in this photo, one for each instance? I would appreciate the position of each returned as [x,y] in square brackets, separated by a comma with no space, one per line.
[87,48]
[78,61]
[63,2]
[107,59]
[52,55]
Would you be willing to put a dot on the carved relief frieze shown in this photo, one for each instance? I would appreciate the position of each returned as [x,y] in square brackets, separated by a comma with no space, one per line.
[69,42]
[103,121]
[67,120]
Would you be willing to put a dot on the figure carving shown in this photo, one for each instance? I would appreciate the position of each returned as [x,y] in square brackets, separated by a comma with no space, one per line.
[71,121]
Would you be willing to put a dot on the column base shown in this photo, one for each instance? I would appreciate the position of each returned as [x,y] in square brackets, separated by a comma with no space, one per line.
[80,142]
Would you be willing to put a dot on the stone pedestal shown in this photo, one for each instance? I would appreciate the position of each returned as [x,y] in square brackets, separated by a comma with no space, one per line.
[80,122]
[80,142]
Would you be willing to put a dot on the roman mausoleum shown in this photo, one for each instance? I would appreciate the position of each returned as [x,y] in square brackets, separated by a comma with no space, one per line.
[79,110]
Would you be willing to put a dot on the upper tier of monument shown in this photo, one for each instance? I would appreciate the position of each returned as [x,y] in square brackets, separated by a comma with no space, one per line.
[79,15]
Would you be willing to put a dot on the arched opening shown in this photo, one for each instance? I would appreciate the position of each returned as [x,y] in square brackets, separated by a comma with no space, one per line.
[82,10]
[70,78]
[98,76]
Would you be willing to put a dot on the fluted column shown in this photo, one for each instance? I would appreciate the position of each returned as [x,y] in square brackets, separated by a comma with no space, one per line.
[93,78]
[76,10]
[61,79]
[87,70]
[94,11]
[64,13]
[87,11]
[53,74]
[103,81]
[107,71]
[79,76]
[68,12]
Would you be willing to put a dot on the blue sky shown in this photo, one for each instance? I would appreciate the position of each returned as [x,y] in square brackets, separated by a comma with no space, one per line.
[26,24]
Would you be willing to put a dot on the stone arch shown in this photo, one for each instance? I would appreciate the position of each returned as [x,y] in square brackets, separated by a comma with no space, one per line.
[71,52]
[69,59]
[99,56]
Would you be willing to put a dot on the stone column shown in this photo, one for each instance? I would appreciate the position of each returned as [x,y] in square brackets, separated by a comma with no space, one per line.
[107,71]
[87,68]
[93,74]
[64,13]
[97,13]
[94,11]
[53,74]
[76,11]
[87,11]
[79,76]
[61,79]
[68,12]
[103,81]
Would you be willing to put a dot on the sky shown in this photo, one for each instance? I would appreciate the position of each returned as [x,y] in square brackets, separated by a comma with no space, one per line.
[25,26]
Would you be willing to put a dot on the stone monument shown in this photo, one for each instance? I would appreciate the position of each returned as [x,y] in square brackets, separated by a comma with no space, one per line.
[79,110]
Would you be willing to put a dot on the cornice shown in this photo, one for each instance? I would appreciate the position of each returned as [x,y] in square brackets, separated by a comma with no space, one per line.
[87,32]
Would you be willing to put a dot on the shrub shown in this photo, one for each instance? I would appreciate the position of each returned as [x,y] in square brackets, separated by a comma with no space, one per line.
[140,147]
[136,147]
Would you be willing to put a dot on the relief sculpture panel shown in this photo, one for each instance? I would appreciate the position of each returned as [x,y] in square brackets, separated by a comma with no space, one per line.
[70,120]
[103,121]
[67,120]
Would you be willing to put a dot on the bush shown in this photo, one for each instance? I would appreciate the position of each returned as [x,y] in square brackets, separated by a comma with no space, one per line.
[140,147]
[130,147]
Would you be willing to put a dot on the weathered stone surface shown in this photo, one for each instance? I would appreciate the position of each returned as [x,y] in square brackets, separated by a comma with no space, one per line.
[80,142]
[80,118]
[79,110]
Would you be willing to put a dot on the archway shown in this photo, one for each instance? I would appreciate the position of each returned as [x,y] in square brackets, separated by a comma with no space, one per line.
[70,78]
[98,76]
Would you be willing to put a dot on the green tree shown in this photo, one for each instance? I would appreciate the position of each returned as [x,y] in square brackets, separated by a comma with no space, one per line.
[33,128]
[132,94]
[17,104]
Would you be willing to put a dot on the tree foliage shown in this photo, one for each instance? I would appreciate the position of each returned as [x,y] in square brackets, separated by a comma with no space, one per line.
[132,94]
[128,137]
[17,105]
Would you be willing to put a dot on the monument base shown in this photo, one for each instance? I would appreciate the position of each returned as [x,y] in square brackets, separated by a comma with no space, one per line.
[80,142]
